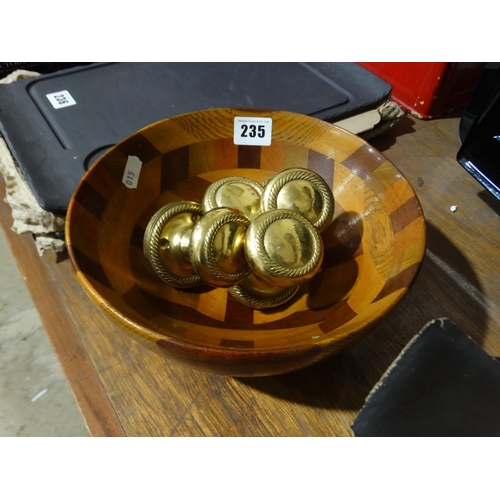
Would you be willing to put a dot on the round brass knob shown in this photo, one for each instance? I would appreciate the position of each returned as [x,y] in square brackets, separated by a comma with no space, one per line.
[236,192]
[166,243]
[303,191]
[283,248]
[217,247]
[257,294]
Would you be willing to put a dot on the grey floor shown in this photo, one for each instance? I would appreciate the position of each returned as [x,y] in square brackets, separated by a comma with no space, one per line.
[35,399]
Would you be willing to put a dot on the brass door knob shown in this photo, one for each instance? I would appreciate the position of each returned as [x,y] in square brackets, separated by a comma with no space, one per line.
[240,193]
[255,293]
[217,247]
[167,242]
[283,249]
[303,191]
[260,240]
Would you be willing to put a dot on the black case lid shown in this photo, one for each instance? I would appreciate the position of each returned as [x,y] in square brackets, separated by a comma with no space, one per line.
[53,145]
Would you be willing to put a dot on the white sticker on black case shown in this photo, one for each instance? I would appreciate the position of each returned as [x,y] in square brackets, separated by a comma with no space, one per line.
[61,99]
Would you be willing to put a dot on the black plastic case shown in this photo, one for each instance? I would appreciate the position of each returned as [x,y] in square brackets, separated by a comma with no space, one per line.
[91,108]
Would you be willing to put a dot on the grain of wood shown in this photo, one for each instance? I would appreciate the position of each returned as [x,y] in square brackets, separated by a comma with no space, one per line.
[122,387]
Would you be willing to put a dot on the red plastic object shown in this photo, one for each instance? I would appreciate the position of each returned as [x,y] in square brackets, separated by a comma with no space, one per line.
[428,90]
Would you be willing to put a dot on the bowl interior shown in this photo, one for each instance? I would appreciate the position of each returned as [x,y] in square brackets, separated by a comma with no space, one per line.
[373,249]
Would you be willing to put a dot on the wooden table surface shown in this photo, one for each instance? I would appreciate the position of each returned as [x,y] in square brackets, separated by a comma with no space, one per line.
[123,389]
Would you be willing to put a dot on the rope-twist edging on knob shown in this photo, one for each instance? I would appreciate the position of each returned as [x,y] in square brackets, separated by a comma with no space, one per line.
[284,177]
[208,255]
[209,201]
[151,249]
[269,218]
[258,302]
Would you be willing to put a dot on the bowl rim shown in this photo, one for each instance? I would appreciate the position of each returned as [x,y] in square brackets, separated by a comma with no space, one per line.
[220,353]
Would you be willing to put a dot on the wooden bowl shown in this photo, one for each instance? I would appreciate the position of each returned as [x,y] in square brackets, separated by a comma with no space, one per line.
[373,248]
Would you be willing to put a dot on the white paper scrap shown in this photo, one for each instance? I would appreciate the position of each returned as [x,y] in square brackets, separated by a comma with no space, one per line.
[132,172]
[39,395]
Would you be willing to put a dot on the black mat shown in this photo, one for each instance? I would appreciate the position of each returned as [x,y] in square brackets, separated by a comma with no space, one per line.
[443,384]
[55,139]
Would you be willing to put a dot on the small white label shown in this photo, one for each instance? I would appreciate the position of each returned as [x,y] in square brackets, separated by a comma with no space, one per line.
[61,99]
[253,131]
[132,172]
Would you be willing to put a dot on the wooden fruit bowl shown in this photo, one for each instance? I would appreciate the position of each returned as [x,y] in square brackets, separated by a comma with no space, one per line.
[373,248]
